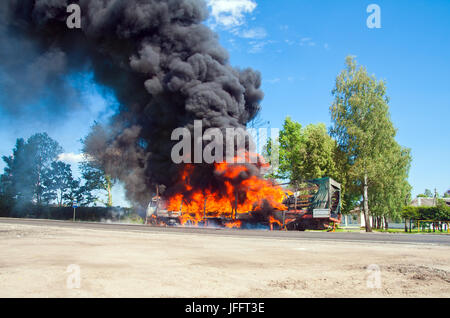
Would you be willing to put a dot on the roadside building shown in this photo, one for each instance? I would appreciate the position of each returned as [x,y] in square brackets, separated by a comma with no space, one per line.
[356,217]
[424,202]
[353,219]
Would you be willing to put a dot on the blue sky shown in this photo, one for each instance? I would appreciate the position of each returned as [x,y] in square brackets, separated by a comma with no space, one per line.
[300,47]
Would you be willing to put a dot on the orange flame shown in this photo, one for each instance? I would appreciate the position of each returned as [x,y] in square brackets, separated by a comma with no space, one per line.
[247,196]
[273,221]
[234,225]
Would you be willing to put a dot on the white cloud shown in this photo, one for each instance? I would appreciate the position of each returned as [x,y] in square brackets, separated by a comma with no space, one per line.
[71,158]
[307,41]
[256,33]
[289,42]
[230,13]
[274,81]
[258,46]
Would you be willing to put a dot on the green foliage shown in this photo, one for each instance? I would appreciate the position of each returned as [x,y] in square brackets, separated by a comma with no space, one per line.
[441,212]
[427,194]
[305,153]
[34,176]
[375,167]
[361,123]
[390,192]
[318,153]
[60,184]
[24,176]
[91,214]
[6,204]
[95,179]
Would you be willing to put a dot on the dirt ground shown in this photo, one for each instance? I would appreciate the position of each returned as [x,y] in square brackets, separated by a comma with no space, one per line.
[41,261]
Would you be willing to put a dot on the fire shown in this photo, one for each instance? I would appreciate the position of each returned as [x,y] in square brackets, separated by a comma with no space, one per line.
[273,221]
[234,225]
[240,196]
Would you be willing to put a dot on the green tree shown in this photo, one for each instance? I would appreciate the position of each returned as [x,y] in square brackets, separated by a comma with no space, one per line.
[443,210]
[76,193]
[290,140]
[59,183]
[362,127]
[6,199]
[16,183]
[318,154]
[96,179]
[43,151]
[25,171]
[391,191]
[305,153]
[426,194]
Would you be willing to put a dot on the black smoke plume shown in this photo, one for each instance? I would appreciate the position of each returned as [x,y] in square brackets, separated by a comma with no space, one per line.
[165,67]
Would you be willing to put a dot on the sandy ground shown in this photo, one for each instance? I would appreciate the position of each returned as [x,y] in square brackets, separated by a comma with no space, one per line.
[34,262]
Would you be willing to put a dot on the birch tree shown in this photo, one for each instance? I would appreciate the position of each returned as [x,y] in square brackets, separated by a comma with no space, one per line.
[363,129]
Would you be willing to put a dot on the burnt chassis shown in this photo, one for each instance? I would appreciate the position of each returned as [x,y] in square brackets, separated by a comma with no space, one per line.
[322,195]
[317,206]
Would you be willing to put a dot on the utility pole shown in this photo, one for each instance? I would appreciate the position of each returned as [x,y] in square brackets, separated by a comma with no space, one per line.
[435,196]
[74,205]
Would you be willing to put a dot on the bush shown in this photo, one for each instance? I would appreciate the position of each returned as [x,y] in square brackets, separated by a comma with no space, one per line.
[5,206]
[90,214]
[441,212]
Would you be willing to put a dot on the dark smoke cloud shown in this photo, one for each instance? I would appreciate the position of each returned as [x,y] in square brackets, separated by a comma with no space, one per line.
[31,76]
[165,67]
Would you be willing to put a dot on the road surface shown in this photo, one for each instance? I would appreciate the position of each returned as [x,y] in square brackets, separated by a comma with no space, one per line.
[41,258]
[398,238]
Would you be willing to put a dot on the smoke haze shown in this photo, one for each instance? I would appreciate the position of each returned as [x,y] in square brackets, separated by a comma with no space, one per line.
[164,66]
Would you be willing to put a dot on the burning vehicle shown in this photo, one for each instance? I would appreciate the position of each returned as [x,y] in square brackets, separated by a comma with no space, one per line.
[165,70]
[317,206]
[248,203]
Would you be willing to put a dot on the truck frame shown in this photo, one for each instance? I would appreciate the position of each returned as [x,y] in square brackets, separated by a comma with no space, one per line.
[314,206]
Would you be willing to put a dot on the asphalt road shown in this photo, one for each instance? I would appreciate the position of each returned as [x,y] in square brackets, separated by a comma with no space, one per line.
[342,236]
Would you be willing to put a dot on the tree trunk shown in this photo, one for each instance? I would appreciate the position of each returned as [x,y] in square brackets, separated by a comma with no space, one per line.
[38,190]
[109,189]
[366,205]
[386,224]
